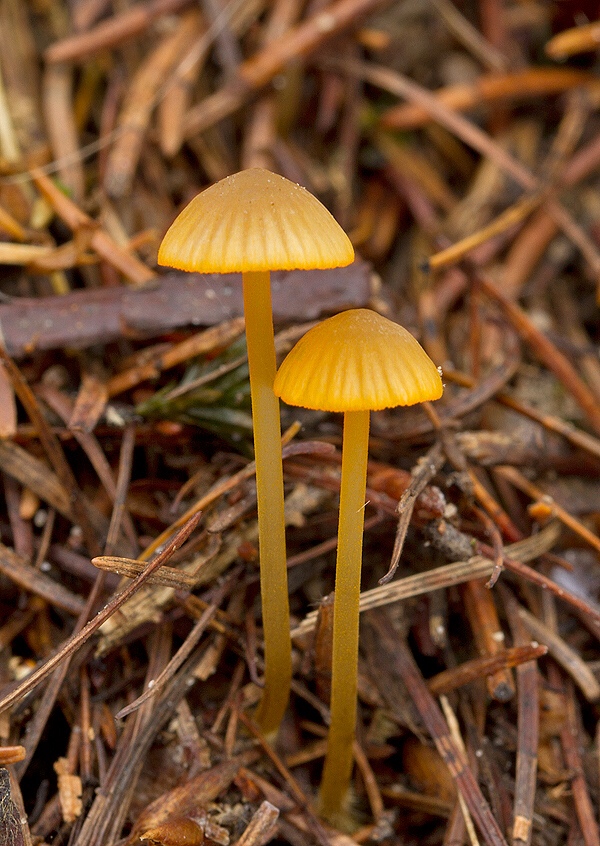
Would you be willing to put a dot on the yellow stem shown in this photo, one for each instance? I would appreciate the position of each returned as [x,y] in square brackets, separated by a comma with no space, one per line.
[344,682]
[269,492]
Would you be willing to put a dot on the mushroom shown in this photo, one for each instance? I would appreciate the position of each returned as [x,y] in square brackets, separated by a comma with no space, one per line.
[355,362]
[253,222]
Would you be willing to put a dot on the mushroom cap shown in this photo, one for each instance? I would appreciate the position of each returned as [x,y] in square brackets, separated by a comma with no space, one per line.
[255,220]
[355,361]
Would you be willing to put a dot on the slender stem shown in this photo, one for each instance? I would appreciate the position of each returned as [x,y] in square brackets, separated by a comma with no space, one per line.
[269,492]
[344,681]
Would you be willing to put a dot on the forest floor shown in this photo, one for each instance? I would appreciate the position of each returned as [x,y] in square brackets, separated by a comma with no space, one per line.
[459,147]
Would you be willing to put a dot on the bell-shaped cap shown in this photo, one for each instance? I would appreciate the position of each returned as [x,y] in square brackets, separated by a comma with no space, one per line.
[255,221]
[355,361]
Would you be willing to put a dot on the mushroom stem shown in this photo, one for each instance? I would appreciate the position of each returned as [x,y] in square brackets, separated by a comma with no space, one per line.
[269,494]
[344,682]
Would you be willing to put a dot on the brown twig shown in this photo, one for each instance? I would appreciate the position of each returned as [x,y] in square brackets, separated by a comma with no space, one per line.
[530,82]
[489,637]
[123,261]
[571,742]
[400,662]
[112,32]
[528,726]
[262,827]
[85,317]
[429,466]
[578,39]
[476,668]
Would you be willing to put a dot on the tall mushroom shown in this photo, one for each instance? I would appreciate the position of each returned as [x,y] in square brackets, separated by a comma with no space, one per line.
[254,222]
[354,362]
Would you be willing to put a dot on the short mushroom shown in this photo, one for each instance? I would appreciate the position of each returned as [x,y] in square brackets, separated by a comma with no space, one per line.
[253,222]
[355,362]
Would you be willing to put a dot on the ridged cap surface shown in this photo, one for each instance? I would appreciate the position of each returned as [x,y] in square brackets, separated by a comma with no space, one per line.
[255,221]
[355,361]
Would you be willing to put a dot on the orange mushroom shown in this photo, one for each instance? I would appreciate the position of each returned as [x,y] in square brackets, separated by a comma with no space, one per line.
[354,362]
[254,222]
